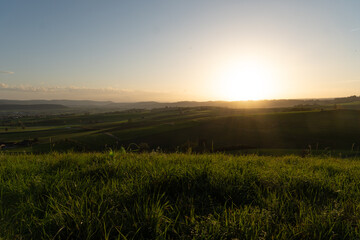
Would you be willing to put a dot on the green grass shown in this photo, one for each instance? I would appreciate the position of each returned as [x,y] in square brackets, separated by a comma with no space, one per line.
[178,196]
[173,129]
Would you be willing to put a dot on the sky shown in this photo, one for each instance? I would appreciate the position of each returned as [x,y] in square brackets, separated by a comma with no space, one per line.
[167,50]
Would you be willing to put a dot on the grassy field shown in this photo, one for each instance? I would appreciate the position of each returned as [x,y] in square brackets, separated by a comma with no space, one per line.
[202,129]
[117,195]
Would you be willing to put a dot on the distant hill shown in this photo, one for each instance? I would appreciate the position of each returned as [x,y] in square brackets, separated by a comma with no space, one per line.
[280,103]
[32,107]
[113,106]
[67,103]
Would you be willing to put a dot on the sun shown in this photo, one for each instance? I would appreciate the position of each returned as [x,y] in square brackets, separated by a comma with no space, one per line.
[245,80]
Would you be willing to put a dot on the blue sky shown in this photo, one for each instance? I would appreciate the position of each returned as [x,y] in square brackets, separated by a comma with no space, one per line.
[177,50]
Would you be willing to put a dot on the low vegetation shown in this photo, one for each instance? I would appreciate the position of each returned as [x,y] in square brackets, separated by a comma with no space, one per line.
[178,196]
[202,129]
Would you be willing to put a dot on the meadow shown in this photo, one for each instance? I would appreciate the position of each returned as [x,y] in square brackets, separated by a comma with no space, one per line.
[182,173]
[201,129]
[118,195]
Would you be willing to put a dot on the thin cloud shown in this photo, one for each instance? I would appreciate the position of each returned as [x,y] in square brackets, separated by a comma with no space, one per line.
[6,72]
[75,92]
[355,29]
[26,88]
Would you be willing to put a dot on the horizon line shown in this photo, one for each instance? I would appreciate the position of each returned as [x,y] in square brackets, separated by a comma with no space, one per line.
[229,101]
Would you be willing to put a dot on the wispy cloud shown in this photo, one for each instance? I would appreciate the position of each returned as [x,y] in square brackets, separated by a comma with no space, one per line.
[355,29]
[27,88]
[6,72]
[80,93]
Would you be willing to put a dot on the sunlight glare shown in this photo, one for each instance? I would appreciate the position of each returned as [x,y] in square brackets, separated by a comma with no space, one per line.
[246,80]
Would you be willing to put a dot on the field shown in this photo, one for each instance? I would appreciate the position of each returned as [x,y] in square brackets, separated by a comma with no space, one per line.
[119,195]
[182,173]
[202,129]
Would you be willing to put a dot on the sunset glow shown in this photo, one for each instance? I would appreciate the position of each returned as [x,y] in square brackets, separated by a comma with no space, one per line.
[168,51]
[246,80]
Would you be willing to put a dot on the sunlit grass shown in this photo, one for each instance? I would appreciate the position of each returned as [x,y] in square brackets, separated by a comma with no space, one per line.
[178,196]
